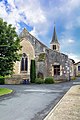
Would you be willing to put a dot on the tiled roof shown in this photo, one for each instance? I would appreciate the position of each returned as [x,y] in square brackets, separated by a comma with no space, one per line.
[77,63]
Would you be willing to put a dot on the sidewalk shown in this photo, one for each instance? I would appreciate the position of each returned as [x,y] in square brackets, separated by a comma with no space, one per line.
[68,108]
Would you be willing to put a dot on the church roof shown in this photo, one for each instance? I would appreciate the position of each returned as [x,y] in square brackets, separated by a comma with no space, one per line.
[25,33]
[54,38]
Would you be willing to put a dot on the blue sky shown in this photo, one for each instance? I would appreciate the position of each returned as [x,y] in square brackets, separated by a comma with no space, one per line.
[38,17]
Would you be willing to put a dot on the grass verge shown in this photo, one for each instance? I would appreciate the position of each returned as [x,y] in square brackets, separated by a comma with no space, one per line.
[4,91]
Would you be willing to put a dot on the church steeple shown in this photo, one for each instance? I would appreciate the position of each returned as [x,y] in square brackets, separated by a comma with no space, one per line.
[54,43]
[54,38]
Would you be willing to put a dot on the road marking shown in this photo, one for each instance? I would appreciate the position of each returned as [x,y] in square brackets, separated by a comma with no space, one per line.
[47,91]
[76,83]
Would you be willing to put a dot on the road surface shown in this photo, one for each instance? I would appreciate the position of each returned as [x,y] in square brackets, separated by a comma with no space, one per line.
[31,102]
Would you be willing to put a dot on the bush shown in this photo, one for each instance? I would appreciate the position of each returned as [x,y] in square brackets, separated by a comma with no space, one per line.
[39,81]
[2,80]
[73,78]
[49,80]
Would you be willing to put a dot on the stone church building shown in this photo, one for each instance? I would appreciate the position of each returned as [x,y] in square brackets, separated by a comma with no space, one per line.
[49,61]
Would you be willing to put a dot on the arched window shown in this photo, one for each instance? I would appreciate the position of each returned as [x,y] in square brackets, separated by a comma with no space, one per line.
[24,63]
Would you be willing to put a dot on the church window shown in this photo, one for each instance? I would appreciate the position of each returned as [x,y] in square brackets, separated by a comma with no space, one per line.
[56,69]
[78,68]
[24,62]
[54,47]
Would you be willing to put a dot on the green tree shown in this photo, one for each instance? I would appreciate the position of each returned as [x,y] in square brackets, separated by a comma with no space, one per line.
[9,47]
[32,71]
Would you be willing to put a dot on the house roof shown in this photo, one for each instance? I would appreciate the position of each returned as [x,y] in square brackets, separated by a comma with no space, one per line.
[77,63]
[72,61]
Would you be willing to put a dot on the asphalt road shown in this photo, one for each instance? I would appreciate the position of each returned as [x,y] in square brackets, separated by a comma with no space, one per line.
[31,102]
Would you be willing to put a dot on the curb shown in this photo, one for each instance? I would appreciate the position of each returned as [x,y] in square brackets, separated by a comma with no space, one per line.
[2,97]
[50,113]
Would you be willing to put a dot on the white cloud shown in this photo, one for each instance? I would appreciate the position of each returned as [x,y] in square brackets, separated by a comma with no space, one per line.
[74,4]
[69,6]
[67,42]
[3,12]
[67,45]
[30,12]
[69,25]
[11,2]
[12,17]
[74,57]
[38,16]
[34,32]
[70,41]
[71,9]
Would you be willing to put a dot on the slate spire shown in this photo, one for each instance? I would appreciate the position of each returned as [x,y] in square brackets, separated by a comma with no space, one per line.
[54,38]
[54,44]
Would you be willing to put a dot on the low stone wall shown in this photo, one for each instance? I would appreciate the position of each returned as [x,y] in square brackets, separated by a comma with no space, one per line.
[60,78]
[12,81]
[17,79]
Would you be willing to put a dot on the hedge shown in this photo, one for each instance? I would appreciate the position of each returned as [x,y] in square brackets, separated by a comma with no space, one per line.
[49,80]
[39,81]
[2,80]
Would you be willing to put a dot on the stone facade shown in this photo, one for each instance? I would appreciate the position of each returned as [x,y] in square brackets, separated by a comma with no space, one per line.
[72,68]
[49,61]
[77,69]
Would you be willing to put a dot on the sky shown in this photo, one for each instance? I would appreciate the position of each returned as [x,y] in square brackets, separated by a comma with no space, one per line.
[39,16]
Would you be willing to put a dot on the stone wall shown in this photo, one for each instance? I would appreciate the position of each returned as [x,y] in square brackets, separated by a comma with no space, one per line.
[28,49]
[38,46]
[56,58]
[41,68]
[57,47]
[53,58]
[76,67]
[17,79]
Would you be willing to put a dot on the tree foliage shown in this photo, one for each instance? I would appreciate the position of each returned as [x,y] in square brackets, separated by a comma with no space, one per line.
[9,47]
[32,71]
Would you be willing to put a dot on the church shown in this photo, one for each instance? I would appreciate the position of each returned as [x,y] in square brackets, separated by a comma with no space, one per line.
[50,62]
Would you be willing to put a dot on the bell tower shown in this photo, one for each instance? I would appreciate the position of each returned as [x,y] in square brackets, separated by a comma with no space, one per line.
[54,44]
